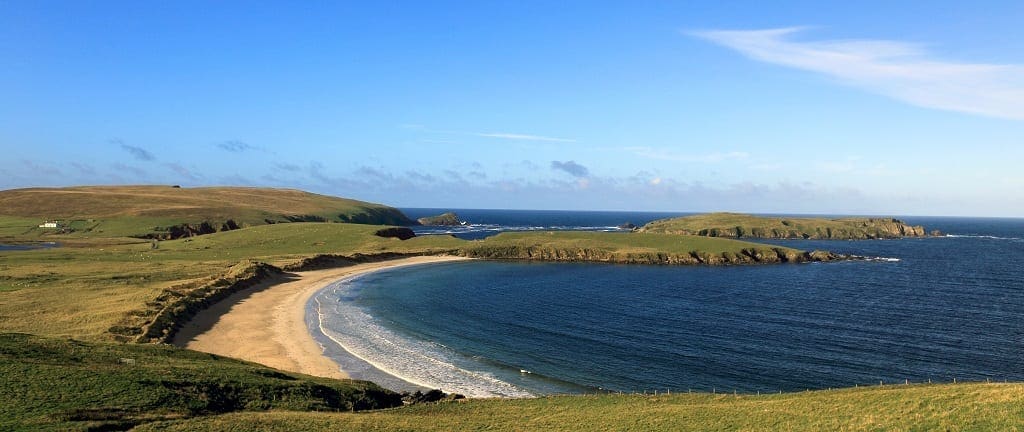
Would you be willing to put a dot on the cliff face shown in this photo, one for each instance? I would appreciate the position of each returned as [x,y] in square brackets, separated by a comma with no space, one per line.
[745,226]
[446,219]
[377,216]
[746,256]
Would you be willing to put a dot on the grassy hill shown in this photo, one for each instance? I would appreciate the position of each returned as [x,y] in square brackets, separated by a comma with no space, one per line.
[742,225]
[171,212]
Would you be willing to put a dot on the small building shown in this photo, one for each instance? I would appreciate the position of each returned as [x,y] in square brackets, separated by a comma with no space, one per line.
[49,224]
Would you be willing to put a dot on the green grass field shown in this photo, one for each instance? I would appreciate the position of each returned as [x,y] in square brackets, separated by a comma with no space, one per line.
[61,384]
[948,407]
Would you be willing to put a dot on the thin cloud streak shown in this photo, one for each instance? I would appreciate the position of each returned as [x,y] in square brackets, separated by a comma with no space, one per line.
[522,137]
[498,135]
[668,155]
[235,146]
[138,153]
[899,70]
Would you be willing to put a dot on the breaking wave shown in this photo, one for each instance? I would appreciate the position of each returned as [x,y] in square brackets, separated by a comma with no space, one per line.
[419,362]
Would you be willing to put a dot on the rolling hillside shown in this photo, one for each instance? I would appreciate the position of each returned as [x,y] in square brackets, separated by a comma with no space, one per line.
[172,212]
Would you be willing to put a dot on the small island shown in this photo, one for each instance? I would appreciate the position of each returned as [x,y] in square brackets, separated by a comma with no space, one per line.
[444,219]
[735,225]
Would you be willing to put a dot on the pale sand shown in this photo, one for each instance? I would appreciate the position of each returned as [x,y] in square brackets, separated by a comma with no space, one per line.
[266,323]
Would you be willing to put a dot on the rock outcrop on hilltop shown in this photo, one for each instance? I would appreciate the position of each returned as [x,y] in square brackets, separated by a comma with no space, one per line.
[445,219]
[747,226]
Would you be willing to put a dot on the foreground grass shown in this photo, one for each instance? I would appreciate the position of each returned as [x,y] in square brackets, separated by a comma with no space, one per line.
[61,384]
[951,407]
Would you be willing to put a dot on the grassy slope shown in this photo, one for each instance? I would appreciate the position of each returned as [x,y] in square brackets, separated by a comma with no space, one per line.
[996,407]
[83,291]
[112,211]
[64,384]
[741,225]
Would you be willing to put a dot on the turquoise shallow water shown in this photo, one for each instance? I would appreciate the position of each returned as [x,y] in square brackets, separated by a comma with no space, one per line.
[951,307]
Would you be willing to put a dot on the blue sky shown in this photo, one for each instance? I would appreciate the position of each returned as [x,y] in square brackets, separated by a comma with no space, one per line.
[803,107]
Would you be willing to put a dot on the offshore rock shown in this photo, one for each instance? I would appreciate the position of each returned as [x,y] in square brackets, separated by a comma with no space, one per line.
[445,219]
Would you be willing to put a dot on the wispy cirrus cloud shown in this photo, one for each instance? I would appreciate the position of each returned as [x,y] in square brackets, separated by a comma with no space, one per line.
[496,135]
[182,171]
[236,146]
[900,70]
[136,152]
[670,155]
[287,167]
[521,137]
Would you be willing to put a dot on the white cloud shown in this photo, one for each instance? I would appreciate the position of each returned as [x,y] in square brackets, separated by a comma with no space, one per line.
[899,70]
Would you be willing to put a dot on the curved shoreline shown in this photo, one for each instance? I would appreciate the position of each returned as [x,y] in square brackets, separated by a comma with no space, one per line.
[266,324]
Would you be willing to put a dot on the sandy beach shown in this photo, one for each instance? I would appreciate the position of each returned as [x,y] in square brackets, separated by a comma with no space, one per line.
[266,324]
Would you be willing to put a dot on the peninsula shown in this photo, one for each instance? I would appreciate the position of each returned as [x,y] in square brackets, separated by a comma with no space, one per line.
[737,225]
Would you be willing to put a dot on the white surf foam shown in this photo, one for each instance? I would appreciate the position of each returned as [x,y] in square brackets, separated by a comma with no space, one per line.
[989,237]
[419,362]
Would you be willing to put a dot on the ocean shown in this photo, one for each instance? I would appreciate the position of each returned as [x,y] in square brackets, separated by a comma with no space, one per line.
[951,307]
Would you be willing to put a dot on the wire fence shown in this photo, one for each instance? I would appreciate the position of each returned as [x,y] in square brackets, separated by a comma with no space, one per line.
[714,390]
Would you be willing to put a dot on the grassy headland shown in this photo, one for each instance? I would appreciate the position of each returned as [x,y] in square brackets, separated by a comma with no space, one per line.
[741,225]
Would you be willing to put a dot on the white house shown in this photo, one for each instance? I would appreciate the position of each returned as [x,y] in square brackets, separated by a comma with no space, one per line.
[48,224]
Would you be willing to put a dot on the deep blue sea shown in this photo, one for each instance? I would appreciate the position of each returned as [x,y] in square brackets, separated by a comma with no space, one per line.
[951,308]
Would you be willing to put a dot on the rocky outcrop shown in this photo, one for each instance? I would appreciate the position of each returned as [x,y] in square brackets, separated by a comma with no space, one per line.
[377,216]
[401,233]
[429,397]
[445,219]
[767,255]
[627,226]
[190,230]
